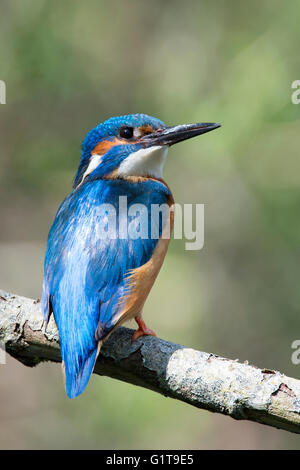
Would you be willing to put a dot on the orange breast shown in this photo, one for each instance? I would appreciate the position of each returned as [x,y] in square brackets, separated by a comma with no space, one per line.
[142,279]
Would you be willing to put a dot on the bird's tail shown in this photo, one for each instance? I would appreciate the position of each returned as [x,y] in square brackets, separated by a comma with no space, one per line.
[76,379]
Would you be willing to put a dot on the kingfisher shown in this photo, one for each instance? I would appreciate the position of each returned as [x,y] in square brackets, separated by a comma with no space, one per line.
[102,259]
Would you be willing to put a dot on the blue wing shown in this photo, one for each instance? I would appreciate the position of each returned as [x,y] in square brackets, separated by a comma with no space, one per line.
[85,273]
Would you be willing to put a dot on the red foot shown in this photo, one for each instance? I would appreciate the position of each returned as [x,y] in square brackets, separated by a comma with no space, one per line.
[142,330]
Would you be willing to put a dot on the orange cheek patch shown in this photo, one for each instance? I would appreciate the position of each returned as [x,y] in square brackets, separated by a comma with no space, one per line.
[146,129]
[105,145]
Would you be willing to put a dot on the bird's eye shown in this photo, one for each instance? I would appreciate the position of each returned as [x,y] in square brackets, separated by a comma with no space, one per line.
[126,132]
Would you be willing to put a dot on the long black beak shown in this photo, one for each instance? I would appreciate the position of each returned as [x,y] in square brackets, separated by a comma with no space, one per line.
[173,135]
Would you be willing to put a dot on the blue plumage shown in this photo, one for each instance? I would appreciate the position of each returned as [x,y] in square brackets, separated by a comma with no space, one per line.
[85,276]
[89,260]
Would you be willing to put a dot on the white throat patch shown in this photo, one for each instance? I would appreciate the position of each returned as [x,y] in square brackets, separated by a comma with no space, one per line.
[93,163]
[149,161]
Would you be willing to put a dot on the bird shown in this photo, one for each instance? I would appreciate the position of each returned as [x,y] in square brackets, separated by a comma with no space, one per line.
[96,278]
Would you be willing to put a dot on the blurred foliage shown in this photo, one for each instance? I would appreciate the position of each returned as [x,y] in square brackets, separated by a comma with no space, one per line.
[69,65]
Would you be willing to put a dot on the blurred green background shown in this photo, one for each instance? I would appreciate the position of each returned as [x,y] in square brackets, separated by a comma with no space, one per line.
[70,65]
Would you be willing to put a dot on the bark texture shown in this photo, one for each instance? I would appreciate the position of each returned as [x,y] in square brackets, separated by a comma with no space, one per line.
[204,380]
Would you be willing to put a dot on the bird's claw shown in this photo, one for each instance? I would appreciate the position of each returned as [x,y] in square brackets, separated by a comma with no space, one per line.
[142,330]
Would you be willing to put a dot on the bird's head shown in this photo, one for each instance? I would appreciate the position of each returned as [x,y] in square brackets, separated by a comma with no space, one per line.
[131,146]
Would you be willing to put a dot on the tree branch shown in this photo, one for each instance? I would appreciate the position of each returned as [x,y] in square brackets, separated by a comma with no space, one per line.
[204,380]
